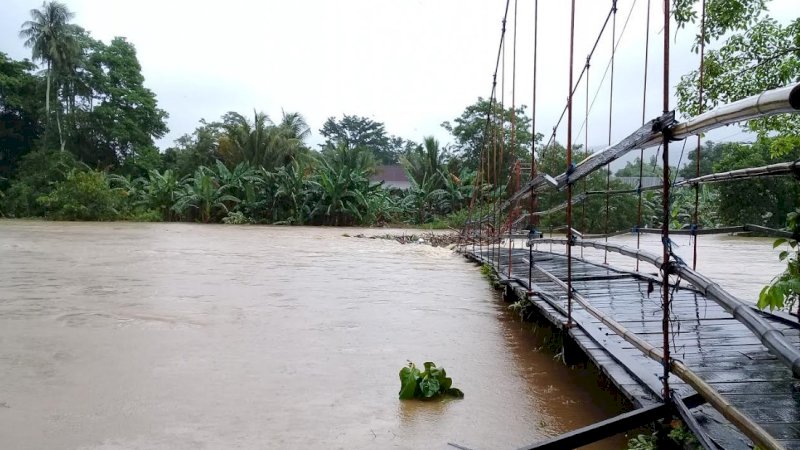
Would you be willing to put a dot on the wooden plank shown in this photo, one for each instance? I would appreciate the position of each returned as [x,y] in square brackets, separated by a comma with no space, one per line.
[601,430]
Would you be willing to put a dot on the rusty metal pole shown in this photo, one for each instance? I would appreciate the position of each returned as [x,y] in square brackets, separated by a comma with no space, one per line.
[699,146]
[666,212]
[644,110]
[569,165]
[532,220]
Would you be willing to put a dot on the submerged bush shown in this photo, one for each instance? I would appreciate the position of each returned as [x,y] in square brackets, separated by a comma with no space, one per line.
[432,382]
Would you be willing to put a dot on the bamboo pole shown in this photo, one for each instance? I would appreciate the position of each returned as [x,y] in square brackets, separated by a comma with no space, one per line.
[751,429]
[769,336]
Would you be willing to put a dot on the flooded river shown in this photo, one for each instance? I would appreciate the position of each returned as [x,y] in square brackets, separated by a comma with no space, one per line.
[177,336]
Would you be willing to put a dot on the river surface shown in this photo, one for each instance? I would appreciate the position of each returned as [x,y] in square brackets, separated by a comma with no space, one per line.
[178,336]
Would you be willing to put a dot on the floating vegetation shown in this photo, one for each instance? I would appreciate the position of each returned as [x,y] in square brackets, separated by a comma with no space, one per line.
[430,383]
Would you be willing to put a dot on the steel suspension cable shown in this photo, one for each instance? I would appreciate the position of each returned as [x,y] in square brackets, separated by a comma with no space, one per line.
[532,221]
[498,165]
[666,214]
[488,127]
[574,87]
[584,227]
[644,111]
[513,133]
[699,146]
[610,115]
[608,65]
[569,163]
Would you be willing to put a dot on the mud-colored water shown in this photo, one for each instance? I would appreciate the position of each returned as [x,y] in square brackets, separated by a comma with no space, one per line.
[177,336]
[741,265]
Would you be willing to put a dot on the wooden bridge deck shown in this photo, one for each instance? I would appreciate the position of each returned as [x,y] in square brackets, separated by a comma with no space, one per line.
[709,340]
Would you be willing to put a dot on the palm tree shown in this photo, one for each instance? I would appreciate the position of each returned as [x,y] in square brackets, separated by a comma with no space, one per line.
[245,140]
[261,142]
[342,185]
[425,162]
[52,40]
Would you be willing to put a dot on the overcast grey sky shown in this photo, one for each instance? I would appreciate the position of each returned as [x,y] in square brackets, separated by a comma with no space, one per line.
[411,64]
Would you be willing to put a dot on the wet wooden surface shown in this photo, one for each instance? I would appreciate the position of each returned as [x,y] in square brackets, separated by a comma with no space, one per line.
[710,341]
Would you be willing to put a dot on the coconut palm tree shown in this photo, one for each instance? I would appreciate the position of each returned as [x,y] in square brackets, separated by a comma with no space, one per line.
[342,185]
[52,40]
[424,163]
[261,142]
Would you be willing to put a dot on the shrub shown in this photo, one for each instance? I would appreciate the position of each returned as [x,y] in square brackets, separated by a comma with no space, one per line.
[39,172]
[83,195]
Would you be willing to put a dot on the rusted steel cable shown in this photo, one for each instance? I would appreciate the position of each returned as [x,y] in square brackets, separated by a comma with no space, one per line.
[700,110]
[610,114]
[569,163]
[534,204]
[644,112]
[665,305]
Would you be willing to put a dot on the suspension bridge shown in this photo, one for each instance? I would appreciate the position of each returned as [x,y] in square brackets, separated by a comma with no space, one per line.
[670,339]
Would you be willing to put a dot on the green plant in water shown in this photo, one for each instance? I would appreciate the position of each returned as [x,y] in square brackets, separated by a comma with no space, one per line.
[487,271]
[430,383]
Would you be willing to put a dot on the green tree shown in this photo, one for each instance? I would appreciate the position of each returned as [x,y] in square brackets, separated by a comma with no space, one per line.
[201,148]
[355,131]
[709,154]
[82,195]
[20,123]
[51,39]
[341,185]
[473,137]
[425,161]
[120,118]
[653,168]
[757,54]
[38,173]
[763,201]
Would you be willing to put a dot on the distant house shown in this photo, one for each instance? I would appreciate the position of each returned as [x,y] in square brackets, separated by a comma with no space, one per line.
[393,177]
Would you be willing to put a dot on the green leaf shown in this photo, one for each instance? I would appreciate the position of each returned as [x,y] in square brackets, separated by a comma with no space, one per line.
[408,381]
[779,242]
[429,387]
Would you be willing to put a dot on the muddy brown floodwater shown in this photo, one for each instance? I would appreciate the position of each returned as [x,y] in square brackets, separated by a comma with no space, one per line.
[178,336]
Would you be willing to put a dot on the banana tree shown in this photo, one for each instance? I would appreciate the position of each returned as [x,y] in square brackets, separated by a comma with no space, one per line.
[203,193]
